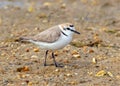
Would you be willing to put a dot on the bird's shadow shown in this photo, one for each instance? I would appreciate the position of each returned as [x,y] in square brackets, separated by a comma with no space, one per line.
[59,65]
[77,64]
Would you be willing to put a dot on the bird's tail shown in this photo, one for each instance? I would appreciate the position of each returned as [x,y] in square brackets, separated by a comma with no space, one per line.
[23,39]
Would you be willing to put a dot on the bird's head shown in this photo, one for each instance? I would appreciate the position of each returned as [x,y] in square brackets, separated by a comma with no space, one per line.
[68,29]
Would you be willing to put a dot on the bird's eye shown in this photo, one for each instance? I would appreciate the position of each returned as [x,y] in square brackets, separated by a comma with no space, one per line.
[64,28]
[68,28]
[71,25]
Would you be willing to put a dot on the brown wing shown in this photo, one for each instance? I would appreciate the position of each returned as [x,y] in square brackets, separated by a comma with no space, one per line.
[50,35]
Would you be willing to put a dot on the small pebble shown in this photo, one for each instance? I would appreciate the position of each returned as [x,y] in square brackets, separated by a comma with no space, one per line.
[57,70]
[63,6]
[74,52]
[117,34]
[91,51]
[27,50]
[109,74]
[47,4]
[76,56]
[34,57]
[69,75]
[36,50]
[30,84]
[100,73]
[94,60]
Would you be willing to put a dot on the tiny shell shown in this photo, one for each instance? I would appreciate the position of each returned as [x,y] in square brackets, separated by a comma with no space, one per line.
[94,60]
[69,75]
[34,57]
[23,69]
[91,51]
[57,70]
[101,73]
[63,5]
[76,56]
[109,74]
[47,4]
[30,83]
[36,50]
[74,52]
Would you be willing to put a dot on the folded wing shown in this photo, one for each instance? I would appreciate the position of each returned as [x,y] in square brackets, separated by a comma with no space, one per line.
[49,35]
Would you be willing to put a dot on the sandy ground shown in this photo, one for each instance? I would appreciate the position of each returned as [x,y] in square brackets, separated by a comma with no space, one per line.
[92,59]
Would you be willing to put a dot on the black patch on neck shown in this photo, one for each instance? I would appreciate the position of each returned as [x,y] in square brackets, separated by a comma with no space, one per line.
[64,33]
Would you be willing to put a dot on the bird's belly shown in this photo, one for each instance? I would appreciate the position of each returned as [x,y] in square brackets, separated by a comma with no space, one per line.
[60,43]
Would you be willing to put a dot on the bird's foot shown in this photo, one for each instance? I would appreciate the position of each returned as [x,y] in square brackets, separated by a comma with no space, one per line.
[58,65]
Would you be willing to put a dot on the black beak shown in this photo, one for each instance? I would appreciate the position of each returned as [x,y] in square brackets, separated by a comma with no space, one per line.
[75,31]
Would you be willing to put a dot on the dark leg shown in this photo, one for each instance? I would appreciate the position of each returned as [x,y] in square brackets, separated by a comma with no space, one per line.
[53,56]
[45,58]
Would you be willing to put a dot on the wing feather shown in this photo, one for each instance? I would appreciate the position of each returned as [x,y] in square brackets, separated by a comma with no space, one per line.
[50,35]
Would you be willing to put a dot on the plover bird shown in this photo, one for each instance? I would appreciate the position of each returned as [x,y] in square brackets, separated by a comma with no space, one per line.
[53,38]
